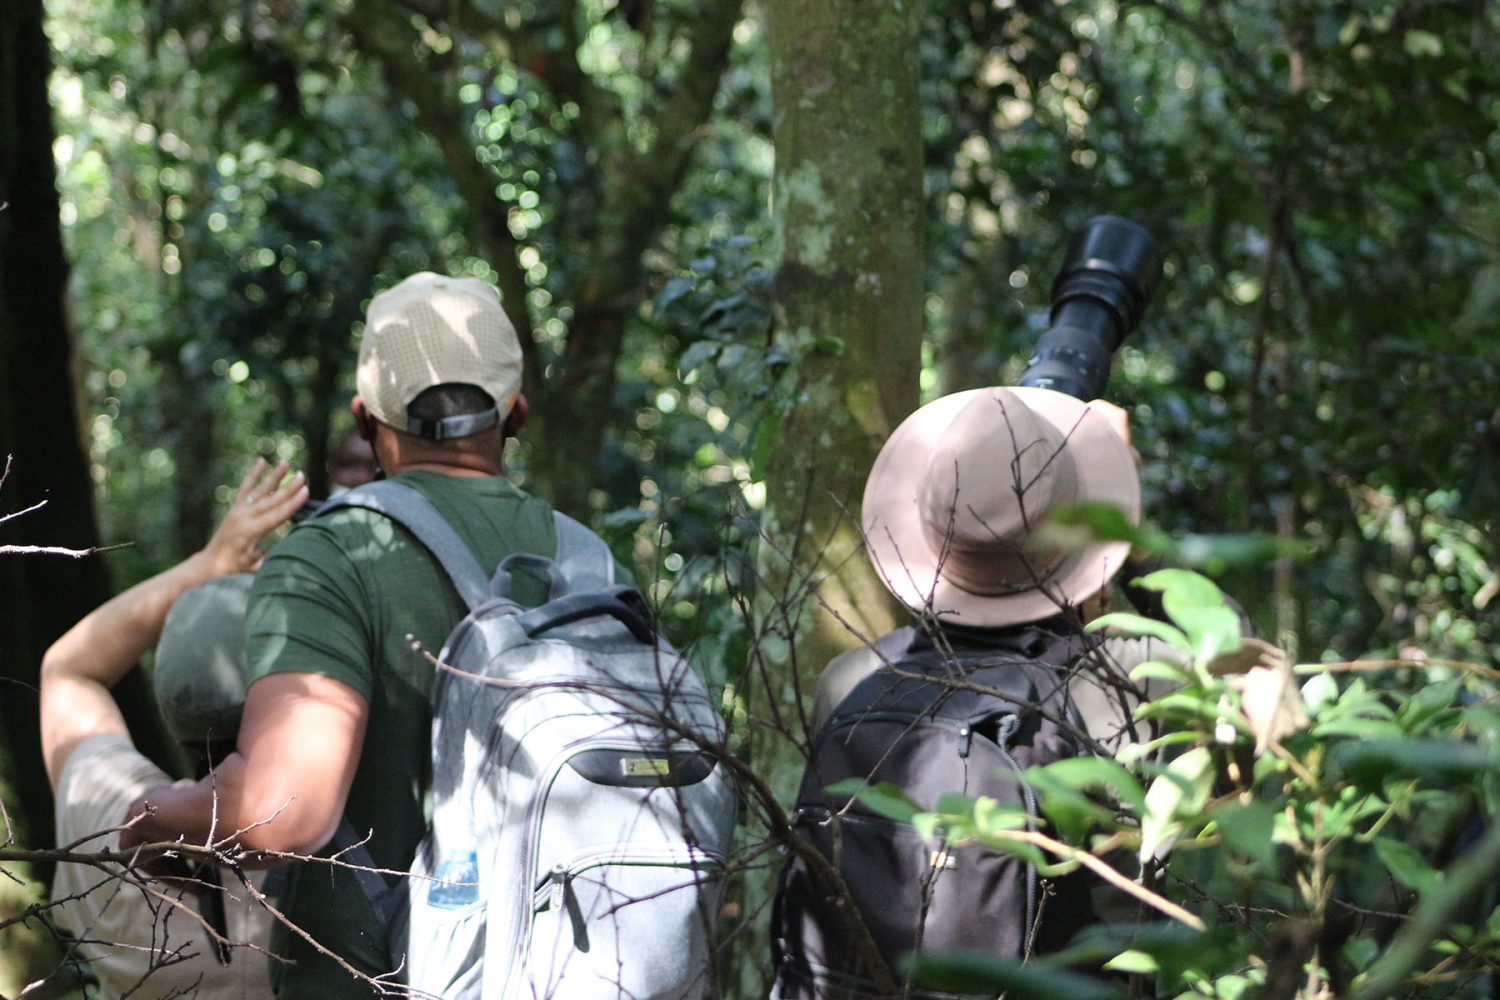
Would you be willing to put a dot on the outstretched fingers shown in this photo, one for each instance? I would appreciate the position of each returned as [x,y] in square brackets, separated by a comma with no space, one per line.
[266,498]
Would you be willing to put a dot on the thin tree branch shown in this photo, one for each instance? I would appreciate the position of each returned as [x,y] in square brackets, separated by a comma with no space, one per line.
[387,39]
[55,550]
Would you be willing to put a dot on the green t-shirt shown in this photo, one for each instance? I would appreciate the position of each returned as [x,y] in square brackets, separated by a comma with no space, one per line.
[338,598]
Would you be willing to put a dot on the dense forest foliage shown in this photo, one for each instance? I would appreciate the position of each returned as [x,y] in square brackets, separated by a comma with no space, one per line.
[1316,377]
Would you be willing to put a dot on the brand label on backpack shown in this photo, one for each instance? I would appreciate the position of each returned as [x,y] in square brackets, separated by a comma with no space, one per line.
[645,767]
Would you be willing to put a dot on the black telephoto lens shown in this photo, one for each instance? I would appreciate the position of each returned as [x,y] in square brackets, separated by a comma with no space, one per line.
[1107,278]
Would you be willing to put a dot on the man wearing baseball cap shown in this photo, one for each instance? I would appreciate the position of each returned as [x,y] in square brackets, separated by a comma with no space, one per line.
[338,716]
[150,941]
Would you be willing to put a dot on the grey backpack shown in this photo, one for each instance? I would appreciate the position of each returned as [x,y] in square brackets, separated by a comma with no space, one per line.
[580,815]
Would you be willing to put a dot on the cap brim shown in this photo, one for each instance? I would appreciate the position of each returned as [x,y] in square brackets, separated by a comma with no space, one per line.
[898,545]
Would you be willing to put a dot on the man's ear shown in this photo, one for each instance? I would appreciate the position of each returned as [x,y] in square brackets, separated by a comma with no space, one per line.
[516,418]
[364,422]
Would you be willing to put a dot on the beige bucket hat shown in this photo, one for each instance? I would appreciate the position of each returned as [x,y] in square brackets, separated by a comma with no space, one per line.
[952,505]
[430,330]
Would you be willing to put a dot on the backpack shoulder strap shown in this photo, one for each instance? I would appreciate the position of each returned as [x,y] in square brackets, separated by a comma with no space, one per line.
[416,514]
[348,846]
[582,563]
[583,557]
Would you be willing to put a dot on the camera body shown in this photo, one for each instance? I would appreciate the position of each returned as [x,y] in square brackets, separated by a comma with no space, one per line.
[1107,278]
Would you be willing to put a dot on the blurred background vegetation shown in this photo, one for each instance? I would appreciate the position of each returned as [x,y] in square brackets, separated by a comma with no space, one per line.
[1321,360]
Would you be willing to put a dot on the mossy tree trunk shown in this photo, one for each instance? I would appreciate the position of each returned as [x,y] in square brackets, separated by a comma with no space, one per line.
[847,204]
[847,201]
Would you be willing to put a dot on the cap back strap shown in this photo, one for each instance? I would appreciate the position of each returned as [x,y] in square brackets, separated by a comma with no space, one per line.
[453,427]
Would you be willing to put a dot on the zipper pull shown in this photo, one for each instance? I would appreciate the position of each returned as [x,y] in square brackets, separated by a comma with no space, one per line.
[966,734]
[549,890]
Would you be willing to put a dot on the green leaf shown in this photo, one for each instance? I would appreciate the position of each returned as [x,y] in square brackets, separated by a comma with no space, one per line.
[1361,952]
[1357,727]
[1197,607]
[1160,671]
[1349,33]
[1102,522]
[884,798]
[674,289]
[1081,773]
[624,520]
[1357,699]
[1212,630]
[990,816]
[1429,701]
[761,448]
[1141,625]
[1074,813]
[1340,819]
[1216,553]
[1371,762]
[985,974]
[1183,586]
[733,358]
[1249,828]
[1320,691]
[1179,792]
[699,353]
[1133,961]
[1406,865]
[1186,702]
[1173,947]
[1420,43]
[955,804]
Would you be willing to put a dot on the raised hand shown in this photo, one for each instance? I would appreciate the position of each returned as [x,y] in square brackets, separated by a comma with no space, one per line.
[264,501]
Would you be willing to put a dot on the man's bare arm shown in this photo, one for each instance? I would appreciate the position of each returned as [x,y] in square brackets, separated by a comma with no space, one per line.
[284,789]
[91,657]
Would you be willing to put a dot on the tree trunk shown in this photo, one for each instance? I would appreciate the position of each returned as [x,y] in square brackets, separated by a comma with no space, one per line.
[42,595]
[847,205]
[848,216]
[42,441]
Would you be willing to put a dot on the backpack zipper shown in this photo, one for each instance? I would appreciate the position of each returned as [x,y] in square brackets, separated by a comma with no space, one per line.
[558,887]
[552,887]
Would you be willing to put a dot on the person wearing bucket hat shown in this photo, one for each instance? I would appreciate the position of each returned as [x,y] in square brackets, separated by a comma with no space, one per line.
[989,680]
[338,717]
[953,503]
[150,939]
[951,513]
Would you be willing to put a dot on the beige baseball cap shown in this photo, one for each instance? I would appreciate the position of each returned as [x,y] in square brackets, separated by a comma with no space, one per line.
[431,330]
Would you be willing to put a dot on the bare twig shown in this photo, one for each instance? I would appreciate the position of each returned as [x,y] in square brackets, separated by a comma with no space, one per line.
[1370,666]
[19,513]
[56,550]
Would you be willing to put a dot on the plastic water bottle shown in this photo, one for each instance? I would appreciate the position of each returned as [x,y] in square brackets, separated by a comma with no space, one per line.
[457,880]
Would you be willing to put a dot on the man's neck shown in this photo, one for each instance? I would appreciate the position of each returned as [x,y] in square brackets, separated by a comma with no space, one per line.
[459,469]
[398,454]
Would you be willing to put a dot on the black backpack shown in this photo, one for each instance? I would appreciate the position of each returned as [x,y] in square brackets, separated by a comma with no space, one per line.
[967,720]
